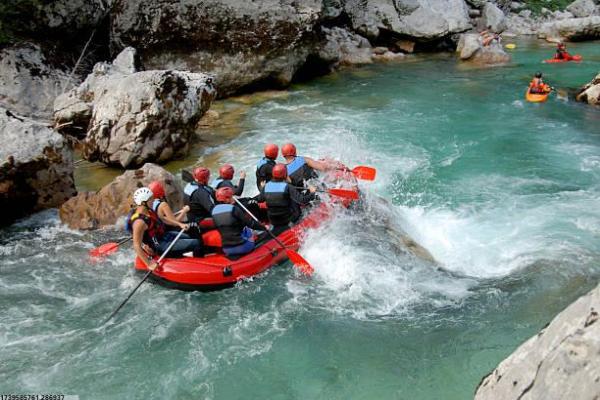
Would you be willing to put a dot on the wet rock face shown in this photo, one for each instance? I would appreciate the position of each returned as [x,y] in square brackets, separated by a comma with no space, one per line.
[241,43]
[132,117]
[92,210]
[560,362]
[264,43]
[36,167]
[590,93]
[28,84]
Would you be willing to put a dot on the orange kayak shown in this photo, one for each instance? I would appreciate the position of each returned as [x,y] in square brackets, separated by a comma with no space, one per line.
[536,97]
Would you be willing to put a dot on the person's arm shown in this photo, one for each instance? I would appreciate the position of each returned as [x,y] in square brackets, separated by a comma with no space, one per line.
[166,214]
[300,198]
[317,165]
[247,219]
[239,189]
[139,227]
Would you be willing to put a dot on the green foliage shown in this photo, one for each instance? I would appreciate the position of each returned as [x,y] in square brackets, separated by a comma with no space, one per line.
[552,5]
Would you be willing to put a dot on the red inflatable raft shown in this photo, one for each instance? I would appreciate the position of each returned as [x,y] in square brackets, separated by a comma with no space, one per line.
[216,271]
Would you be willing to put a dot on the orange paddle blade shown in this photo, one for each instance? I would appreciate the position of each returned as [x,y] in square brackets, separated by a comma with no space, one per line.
[365,173]
[104,250]
[299,262]
[346,193]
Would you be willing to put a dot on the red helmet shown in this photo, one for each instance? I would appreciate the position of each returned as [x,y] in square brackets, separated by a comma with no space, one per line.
[288,149]
[226,171]
[224,194]
[279,171]
[201,175]
[157,189]
[271,150]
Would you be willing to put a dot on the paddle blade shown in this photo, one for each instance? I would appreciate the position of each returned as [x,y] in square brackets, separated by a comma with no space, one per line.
[299,262]
[104,250]
[365,173]
[345,193]
[187,176]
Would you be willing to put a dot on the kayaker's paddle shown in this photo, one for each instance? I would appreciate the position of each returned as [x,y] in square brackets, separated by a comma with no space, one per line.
[365,173]
[109,248]
[298,261]
[145,277]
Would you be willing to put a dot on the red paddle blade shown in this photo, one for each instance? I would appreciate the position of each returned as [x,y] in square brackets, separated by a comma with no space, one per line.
[345,193]
[365,173]
[104,250]
[300,262]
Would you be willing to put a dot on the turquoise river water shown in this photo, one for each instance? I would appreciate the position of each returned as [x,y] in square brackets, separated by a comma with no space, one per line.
[504,194]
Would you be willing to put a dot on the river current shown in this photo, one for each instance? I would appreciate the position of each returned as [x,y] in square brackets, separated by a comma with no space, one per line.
[504,195]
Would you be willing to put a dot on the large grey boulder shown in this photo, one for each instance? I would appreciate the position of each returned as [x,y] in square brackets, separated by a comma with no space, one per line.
[582,8]
[493,18]
[590,93]
[345,47]
[571,29]
[92,210]
[134,117]
[561,362]
[36,167]
[423,20]
[522,23]
[242,43]
[28,84]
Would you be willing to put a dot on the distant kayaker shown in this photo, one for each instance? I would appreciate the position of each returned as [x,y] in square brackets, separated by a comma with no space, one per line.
[150,233]
[224,180]
[199,196]
[284,200]
[265,165]
[234,224]
[163,209]
[301,169]
[561,52]
[537,85]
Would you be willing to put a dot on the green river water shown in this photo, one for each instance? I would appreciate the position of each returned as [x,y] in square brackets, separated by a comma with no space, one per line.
[503,193]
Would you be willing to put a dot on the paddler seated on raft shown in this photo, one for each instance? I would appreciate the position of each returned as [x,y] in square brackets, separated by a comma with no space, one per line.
[301,169]
[537,85]
[163,209]
[199,196]
[264,167]
[561,52]
[150,233]
[284,200]
[224,180]
[234,224]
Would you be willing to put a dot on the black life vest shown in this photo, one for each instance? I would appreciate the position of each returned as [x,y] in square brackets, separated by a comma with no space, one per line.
[229,226]
[298,171]
[197,210]
[279,204]
[155,227]
[264,171]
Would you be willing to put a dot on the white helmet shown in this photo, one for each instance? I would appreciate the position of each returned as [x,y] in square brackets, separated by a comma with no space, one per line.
[141,195]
